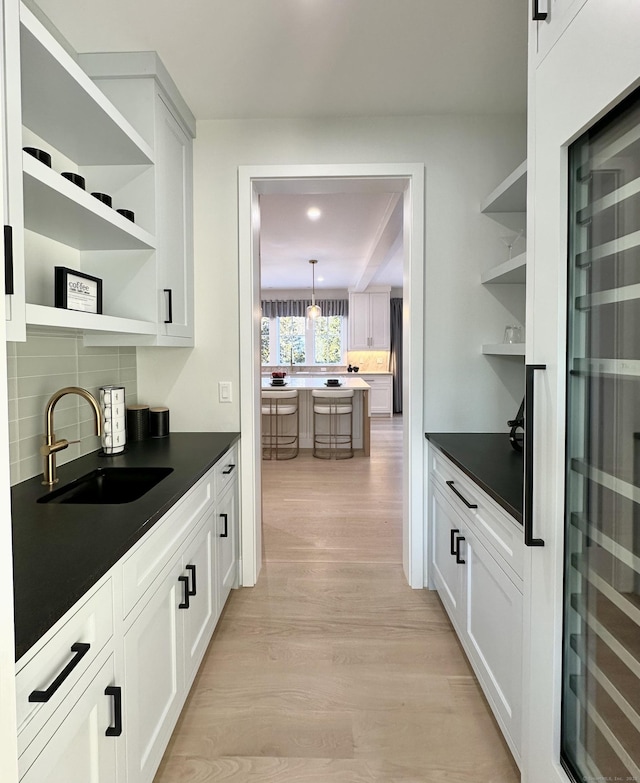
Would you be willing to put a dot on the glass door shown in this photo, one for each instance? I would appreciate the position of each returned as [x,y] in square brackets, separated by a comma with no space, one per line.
[601,641]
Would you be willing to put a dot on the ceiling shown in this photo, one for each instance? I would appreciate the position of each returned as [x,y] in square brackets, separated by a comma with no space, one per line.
[321,58]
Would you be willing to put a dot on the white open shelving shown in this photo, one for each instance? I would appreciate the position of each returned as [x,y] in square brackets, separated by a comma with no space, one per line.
[510,195]
[504,349]
[512,271]
[60,210]
[40,315]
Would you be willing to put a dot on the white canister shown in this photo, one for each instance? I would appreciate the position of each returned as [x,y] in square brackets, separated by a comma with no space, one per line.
[112,404]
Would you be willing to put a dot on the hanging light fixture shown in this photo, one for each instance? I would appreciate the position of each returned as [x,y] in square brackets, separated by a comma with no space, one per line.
[313,311]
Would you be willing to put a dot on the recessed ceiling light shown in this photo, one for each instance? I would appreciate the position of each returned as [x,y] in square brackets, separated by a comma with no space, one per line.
[313,213]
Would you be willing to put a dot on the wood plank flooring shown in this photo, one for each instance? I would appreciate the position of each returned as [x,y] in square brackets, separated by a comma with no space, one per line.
[332,668]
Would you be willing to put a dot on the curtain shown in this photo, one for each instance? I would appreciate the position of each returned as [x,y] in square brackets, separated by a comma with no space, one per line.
[396,353]
[271,308]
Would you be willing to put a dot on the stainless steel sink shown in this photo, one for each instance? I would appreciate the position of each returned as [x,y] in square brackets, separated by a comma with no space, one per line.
[108,485]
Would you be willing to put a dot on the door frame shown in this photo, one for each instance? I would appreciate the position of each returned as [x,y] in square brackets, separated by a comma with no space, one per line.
[254,181]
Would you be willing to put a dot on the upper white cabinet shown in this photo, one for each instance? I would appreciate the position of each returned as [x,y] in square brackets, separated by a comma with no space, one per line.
[142,161]
[507,205]
[370,321]
[551,23]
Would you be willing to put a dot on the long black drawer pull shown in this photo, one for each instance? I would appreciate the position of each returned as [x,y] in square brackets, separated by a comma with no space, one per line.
[228,470]
[169,319]
[529,434]
[226,531]
[192,589]
[452,548]
[459,560]
[462,498]
[185,581]
[8,260]
[80,649]
[115,692]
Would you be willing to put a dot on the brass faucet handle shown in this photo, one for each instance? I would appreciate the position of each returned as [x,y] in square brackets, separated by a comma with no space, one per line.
[51,448]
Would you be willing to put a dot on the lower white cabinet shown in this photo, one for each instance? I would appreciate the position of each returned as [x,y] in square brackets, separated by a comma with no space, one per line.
[380,394]
[123,658]
[473,555]
[81,742]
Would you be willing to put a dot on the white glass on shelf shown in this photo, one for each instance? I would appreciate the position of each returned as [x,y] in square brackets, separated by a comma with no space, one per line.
[510,240]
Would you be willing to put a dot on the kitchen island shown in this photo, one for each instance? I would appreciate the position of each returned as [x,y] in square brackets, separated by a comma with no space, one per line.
[304,387]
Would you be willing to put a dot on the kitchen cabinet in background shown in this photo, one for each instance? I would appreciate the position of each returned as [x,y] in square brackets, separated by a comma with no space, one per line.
[380,394]
[370,321]
[477,565]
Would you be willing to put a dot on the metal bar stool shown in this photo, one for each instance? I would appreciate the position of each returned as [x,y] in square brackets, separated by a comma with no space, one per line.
[280,414]
[332,408]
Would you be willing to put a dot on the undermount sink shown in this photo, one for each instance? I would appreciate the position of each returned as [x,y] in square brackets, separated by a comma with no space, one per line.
[108,486]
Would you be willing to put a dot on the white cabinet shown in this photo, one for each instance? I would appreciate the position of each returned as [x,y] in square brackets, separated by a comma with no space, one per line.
[145,264]
[117,668]
[477,569]
[154,679]
[84,744]
[370,321]
[380,394]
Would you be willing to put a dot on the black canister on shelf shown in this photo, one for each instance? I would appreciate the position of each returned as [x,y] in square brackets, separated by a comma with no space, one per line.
[137,422]
[104,197]
[127,213]
[40,155]
[75,178]
[158,422]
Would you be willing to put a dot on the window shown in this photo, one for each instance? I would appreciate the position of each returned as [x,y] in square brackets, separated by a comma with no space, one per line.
[286,340]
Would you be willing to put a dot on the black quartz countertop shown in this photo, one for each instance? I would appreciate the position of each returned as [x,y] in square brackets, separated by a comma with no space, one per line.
[61,550]
[490,461]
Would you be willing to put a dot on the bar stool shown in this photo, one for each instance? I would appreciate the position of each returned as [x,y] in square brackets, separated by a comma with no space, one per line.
[280,436]
[332,408]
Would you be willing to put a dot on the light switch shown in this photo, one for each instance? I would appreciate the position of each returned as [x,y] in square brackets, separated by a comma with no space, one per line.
[224,391]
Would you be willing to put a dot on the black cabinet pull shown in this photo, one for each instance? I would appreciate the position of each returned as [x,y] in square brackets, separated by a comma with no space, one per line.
[169,305]
[452,547]
[80,649]
[538,14]
[8,260]
[462,498]
[459,560]
[226,532]
[185,581]
[228,470]
[115,692]
[529,540]
[192,589]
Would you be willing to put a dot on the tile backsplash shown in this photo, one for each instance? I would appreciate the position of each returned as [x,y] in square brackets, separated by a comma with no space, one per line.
[37,368]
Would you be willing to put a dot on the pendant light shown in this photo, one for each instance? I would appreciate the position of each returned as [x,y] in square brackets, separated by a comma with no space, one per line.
[313,311]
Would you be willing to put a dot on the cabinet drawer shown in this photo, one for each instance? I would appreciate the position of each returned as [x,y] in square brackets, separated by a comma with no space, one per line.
[226,469]
[498,531]
[147,559]
[56,663]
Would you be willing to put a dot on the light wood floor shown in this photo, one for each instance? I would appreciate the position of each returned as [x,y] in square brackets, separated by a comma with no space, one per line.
[332,668]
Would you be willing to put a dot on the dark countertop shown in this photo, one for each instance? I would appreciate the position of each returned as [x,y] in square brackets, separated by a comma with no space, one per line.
[490,461]
[61,550]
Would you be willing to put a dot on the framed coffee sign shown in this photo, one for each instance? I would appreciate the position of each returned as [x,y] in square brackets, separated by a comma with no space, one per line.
[77,291]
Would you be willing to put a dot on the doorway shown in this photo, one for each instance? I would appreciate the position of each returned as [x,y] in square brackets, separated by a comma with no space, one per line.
[408,181]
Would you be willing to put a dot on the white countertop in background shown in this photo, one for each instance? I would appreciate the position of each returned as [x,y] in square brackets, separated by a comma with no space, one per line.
[315,382]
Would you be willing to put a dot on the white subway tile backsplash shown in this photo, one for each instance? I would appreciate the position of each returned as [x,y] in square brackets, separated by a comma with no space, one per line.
[39,367]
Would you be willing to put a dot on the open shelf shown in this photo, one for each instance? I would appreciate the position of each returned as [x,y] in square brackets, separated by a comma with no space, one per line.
[60,210]
[504,349]
[40,315]
[512,271]
[60,103]
[510,195]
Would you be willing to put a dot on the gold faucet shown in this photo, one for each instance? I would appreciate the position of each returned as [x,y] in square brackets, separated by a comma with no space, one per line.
[51,446]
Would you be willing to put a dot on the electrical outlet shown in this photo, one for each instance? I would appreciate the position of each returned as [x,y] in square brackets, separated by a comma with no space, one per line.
[224,391]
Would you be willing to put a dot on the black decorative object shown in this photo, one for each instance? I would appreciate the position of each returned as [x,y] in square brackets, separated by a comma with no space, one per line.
[104,197]
[158,422]
[40,155]
[127,213]
[77,291]
[516,435]
[75,178]
[137,422]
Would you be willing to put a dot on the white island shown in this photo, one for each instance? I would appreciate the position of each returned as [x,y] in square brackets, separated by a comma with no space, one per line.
[304,386]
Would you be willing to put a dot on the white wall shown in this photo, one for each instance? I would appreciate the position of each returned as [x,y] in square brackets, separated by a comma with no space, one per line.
[465,158]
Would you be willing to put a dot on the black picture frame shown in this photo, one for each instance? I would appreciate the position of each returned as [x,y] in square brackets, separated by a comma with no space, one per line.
[77,291]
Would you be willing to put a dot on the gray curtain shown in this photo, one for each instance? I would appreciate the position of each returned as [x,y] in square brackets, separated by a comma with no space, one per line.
[396,353]
[271,308]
